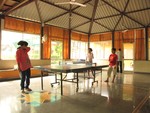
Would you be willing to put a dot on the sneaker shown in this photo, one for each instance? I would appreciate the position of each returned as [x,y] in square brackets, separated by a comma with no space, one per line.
[28,89]
[23,92]
[106,81]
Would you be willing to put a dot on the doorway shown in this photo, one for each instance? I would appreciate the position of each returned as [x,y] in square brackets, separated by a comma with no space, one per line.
[128,56]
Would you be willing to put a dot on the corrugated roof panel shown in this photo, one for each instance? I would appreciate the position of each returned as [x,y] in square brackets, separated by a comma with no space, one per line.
[86,11]
[83,28]
[57,1]
[77,20]
[48,11]
[98,28]
[62,21]
[10,2]
[140,15]
[109,22]
[105,10]
[138,4]
[127,23]
[119,4]
[91,2]
[28,12]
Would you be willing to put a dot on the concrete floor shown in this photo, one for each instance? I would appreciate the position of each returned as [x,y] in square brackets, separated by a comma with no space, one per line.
[129,94]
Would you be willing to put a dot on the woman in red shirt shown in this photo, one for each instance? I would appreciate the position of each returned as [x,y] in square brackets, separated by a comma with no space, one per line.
[112,65]
[24,65]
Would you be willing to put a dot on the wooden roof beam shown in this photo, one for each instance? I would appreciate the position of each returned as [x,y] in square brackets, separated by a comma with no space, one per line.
[122,13]
[55,17]
[18,5]
[2,2]
[37,7]
[64,9]
[93,16]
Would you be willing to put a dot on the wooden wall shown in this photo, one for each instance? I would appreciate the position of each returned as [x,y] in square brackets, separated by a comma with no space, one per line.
[54,33]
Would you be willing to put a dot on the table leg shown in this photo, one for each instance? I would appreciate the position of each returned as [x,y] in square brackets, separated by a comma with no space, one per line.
[42,80]
[77,81]
[94,74]
[101,75]
[61,80]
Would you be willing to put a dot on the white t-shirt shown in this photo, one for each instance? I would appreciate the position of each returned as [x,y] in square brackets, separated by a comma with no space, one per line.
[119,54]
[89,57]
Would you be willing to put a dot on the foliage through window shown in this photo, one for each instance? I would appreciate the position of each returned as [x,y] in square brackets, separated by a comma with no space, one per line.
[9,44]
[56,52]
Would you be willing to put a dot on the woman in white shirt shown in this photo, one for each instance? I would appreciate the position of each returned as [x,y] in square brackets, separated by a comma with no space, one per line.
[89,57]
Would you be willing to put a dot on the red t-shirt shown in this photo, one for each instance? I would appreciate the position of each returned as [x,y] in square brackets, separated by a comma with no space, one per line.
[113,59]
[22,58]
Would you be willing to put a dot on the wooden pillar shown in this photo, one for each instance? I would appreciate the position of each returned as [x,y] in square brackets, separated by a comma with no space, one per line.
[0,35]
[146,43]
[89,40]
[113,39]
[42,34]
[69,44]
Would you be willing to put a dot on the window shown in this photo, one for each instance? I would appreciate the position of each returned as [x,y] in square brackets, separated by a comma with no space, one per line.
[78,49]
[9,44]
[101,50]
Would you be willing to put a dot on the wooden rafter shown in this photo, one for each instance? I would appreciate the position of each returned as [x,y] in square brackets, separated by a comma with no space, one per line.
[37,7]
[122,13]
[93,16]
[18,5]
[65,9]
[2,2]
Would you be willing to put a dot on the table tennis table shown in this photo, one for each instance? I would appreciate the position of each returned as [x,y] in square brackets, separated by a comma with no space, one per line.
[68,68]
